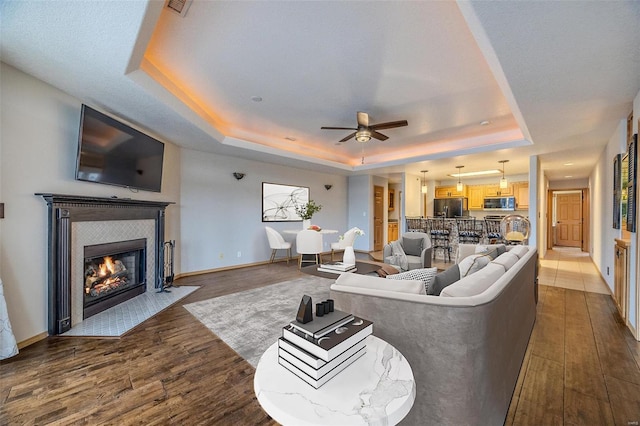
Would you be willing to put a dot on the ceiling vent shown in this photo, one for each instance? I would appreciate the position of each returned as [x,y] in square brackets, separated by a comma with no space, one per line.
[179,6]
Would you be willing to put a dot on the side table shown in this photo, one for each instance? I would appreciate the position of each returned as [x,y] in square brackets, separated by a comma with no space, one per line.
[378,388]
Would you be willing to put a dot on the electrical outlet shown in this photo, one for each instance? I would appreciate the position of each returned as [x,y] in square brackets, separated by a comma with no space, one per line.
[239,254]
[221,256]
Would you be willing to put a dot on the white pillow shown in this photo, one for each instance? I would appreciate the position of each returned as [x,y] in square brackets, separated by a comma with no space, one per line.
[519,251]
[475,284]
[377,283]
[507,260]
[473,263]
[426,275]
[492,251]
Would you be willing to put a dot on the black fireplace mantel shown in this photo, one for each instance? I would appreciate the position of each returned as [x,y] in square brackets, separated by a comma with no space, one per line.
[63,210]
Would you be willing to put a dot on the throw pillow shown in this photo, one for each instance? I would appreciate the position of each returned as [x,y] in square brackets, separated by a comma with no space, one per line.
[506,260]
[501,248]
[473,263]
[491,251]
[426,275]
[444,279]
[412,246]
[519,251]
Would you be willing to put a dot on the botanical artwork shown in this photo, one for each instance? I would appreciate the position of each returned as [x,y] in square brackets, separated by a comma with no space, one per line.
[279,202]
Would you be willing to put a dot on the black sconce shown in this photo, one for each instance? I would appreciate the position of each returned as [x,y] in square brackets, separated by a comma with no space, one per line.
[328,187]
[238,175]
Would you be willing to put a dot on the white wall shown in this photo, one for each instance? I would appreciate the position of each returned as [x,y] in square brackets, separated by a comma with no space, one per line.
[360,209]
[222,216]
[39,136]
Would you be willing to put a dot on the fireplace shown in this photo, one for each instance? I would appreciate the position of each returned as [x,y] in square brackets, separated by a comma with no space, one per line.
[113,273]
[85,230]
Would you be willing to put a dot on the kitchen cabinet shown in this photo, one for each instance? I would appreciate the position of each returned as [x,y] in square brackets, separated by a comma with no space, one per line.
[494,190]
[476,197]
[449,192]
[392,231]
[521,192]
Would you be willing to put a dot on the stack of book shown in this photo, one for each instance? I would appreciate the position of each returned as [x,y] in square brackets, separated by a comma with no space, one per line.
[320,349]
[337,267]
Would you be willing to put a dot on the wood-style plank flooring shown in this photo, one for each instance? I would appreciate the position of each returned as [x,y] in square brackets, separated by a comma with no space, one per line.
[581,367]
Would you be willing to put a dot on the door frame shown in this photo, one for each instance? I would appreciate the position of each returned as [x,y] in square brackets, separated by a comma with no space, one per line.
[586,216]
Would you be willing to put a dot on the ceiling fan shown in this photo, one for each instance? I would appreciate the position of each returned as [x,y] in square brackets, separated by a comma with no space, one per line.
[364,132]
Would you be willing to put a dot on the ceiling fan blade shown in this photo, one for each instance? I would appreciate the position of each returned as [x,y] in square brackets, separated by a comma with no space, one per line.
[378,136]
[338,128]
[389,125]
[346,138]
[363,119]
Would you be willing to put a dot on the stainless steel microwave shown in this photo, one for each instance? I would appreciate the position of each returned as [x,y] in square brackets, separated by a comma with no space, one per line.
[500,203]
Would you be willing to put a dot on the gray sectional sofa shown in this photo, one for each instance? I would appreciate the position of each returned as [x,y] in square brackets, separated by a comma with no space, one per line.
[465,346]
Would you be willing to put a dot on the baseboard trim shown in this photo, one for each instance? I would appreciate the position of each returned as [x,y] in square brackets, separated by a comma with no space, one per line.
[32,340]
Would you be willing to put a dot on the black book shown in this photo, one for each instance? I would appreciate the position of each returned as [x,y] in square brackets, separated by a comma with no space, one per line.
[332,344]
[324,324]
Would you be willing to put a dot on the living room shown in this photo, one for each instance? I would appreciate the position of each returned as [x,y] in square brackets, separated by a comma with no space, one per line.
[216,219]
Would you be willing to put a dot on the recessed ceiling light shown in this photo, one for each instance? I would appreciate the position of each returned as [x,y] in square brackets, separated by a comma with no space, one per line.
[478,173]
[289,138]
[568,164]
[485,123]
[256,99]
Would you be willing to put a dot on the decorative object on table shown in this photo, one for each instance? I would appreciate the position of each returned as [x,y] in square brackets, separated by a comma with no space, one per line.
[319,309]
[279,202]
[306,212]
[318,359]
[315,228]
[349,257]
[305,311]
[238,175]
[346,240]
[337,267]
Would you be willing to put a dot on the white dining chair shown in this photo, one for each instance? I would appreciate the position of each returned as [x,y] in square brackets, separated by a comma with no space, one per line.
[309,242]
[276,242]
[347,240]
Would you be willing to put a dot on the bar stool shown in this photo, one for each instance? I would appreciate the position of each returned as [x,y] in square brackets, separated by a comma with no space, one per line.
[440,236]
[492,231]
[467,230]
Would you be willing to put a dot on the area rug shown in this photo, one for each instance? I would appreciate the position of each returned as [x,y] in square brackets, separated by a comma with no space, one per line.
[252,320]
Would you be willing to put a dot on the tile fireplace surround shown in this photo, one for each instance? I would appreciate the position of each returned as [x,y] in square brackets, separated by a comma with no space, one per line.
[76,221]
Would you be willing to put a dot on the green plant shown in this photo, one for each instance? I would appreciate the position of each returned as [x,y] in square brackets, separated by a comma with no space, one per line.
[307,210]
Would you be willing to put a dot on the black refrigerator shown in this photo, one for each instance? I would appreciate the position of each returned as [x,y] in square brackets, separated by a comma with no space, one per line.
[451,207]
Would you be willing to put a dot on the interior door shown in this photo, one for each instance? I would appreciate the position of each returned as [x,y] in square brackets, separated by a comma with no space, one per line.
[569,220]
[378,217]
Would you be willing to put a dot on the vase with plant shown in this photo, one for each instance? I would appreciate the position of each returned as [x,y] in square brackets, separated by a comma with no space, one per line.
[306,212]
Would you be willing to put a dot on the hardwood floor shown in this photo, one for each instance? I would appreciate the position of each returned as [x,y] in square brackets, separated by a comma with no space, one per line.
[581,367]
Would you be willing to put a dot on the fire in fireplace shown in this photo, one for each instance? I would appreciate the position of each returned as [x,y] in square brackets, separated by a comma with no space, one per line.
[113,273]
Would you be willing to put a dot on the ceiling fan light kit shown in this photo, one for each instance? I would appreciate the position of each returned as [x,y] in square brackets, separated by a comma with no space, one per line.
[364,132]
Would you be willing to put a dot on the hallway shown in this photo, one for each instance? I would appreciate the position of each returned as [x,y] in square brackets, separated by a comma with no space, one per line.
[568,267]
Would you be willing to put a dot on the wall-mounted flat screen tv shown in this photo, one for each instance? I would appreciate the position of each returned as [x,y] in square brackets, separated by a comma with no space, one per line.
[113,153]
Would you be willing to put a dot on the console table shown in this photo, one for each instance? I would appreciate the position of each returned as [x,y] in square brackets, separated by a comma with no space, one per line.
[378,388]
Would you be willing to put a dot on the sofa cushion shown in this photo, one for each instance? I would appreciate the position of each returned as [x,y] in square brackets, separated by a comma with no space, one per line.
[519,250]
[444,279]
[377,283]
[474,284]
[426,275]
[490,250]
[472,264]
[507,260]
[501,248]
[412,246]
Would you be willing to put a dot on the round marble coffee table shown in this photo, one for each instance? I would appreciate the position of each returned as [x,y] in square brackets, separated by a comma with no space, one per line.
[377,389]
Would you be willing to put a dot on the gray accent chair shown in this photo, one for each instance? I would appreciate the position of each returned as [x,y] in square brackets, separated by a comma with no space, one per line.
[415,262]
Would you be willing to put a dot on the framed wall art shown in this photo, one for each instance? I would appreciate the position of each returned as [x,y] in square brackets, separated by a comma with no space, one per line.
[617,190]
[279,201]
[631,184]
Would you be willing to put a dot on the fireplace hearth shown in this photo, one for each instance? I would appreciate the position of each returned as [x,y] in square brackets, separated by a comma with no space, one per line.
[113,273]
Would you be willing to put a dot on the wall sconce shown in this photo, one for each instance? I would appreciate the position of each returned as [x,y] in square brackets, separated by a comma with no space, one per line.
[328,187]
[503,181]
[459,186]
[238,175]
[424,187]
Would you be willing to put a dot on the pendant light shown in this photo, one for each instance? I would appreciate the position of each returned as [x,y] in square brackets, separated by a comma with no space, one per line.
[459,186]
[503,182]
[424,182]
